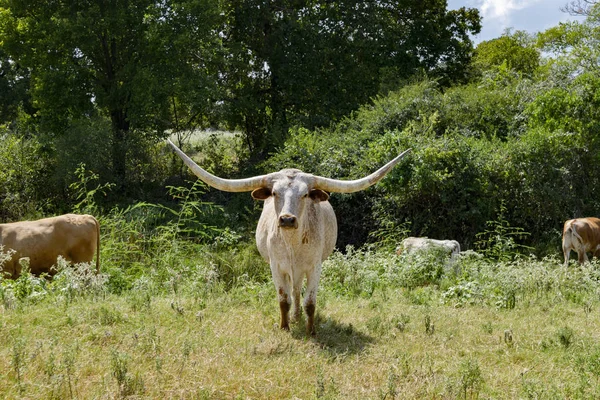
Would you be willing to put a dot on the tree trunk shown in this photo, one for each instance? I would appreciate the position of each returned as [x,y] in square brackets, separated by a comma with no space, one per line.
[120,128]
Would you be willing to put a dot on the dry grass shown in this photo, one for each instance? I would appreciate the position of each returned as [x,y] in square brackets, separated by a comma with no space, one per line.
[228,346]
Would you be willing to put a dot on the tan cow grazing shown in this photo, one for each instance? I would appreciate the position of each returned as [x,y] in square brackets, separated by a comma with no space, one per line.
[297,229]
[414,244]
[74,237]
[581,235]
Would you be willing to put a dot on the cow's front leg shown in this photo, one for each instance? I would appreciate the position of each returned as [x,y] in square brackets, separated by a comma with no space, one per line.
[283,287]
[310,299]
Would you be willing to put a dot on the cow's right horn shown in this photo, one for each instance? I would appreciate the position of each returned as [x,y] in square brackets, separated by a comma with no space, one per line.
[226,185]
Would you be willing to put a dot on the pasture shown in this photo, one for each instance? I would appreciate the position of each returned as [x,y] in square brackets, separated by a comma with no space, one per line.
[504,138]
[202,323]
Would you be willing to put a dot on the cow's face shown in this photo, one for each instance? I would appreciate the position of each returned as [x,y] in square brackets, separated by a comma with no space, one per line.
[291,194]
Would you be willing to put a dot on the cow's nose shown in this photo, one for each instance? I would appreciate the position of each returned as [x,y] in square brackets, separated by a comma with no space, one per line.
[288,221]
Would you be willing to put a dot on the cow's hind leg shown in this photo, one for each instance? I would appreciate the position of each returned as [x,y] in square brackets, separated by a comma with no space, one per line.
[567,254]
[310,299]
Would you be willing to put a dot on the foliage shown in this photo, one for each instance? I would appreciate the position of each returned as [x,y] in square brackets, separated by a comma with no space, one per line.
[574,43]
[128,61]
[515,51]
[500,241]
[84,195]
[23,177]
[303,63]
[474,148]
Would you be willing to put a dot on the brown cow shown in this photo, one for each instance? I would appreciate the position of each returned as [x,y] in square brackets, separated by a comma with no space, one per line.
[581,235]
[74,237]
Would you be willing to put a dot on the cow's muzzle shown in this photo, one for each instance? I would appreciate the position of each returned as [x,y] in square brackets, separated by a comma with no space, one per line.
[288,221]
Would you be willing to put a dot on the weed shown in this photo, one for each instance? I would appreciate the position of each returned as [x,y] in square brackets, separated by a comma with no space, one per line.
[421,296]
[429,326]
[78,280]
[106,315]
[83,194]
[320,384]
[401,322]
[465,293]
[499,241]
[565,336]
[421,268]
[470,379]
[391,390]
[324,390]
[5,256]
[488,327]
[50,366]
[27,288]
[508,337]
[127,386]
[68,362]
[18,360]
[377,325]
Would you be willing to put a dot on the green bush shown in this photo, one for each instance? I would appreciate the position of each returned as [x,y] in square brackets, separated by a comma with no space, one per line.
[23,177]
[475,150]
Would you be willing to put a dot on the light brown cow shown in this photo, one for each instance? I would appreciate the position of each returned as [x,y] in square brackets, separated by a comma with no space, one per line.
[581,235]
[297,229]
[74,237]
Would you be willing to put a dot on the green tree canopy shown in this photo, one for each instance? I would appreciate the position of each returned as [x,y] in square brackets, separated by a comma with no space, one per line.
[574,46]
[515,51]
[134,61]
[311,62]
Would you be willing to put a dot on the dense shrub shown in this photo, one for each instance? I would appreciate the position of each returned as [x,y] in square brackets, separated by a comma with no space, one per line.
[474,150]
[23,177]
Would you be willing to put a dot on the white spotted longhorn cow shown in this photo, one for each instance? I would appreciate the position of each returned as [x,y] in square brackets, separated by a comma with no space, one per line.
[297,229]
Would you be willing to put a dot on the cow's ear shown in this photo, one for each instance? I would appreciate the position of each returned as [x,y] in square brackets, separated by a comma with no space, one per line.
[262,193]
[319,195]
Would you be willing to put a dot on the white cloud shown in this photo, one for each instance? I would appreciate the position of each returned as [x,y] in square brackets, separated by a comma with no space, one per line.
[502,9]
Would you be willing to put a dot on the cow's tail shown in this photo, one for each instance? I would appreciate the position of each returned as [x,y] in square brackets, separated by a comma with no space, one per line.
[575,234]
[97,246]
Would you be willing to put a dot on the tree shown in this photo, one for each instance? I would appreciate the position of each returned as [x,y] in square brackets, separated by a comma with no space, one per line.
[135,61]
[579,7]
[574,46]
[516,51]
[310,62]
[14,82]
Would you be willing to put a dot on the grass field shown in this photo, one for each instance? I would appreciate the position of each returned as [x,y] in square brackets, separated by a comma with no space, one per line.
[463,335]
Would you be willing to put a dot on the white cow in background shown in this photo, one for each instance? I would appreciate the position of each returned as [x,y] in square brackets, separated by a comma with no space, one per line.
[414,244]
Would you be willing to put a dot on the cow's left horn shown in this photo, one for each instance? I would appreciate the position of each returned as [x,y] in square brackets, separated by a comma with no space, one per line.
[339,186]
[226,185]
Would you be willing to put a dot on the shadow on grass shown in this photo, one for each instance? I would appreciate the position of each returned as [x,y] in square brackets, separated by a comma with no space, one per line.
[335,337]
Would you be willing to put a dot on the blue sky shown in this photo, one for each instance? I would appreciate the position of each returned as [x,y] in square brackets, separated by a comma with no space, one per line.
[527,15]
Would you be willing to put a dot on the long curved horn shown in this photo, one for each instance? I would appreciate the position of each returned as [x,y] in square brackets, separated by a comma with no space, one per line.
[226,185]
[339,186]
